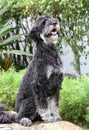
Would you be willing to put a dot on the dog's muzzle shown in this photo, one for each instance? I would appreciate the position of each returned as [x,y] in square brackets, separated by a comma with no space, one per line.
[52,29]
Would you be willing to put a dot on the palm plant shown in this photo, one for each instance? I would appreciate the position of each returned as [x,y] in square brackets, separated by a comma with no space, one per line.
[9,38]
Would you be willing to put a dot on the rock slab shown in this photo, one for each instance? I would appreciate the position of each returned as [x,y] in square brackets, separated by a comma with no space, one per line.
[61,125]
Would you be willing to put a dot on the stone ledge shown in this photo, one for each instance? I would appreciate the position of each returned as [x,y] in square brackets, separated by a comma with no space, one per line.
[61,125]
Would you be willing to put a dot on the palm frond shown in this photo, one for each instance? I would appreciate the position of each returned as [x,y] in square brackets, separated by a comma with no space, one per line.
[10,40]
[17,52]
[5,29]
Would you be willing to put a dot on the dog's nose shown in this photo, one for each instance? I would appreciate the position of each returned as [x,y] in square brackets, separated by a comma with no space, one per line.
[54,22]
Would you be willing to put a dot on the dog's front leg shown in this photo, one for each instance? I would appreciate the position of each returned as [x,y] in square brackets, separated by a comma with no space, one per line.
[45,115]
[52,105]
[42,105]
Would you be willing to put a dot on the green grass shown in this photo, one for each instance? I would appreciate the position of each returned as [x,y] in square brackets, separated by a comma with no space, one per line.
[9,84]
[74,102]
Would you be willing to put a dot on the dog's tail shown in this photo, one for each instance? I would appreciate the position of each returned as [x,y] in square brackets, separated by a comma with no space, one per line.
[6,117]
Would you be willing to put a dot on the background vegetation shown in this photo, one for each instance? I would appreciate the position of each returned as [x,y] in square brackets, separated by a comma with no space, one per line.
[9,84]
[74,102]
[16,18]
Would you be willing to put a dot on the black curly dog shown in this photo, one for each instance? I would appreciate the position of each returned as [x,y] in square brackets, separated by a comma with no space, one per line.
[39,91]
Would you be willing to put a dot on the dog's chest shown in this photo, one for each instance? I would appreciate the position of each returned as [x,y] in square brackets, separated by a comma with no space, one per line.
[54,75]
[56,69]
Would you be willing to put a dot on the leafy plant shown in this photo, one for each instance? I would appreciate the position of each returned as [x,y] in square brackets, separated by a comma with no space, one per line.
[12,35]
[9,84]
[74,100]
[6,25]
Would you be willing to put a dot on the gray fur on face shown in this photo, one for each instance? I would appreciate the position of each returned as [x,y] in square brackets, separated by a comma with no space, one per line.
[38,95]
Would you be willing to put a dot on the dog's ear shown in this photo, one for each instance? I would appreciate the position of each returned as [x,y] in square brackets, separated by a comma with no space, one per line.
[38,27]
[34,33]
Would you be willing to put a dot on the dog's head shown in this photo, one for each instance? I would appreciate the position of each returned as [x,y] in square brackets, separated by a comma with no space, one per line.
[45,28]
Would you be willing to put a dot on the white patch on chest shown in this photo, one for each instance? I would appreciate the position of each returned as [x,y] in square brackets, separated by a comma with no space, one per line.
[49,71]
[59,70]
[56,69]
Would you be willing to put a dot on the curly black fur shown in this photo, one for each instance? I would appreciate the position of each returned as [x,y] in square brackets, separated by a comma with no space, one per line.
[6,117]
[39,91]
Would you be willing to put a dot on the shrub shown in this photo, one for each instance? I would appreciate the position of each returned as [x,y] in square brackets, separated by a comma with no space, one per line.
[9,83]
[74,100]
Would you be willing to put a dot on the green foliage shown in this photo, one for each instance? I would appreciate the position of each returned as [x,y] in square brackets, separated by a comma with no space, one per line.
[6,26]
[74,17]
[9,84]
[74,100]
[11,34]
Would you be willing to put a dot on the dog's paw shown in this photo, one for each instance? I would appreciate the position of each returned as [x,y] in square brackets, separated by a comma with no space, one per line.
[48,118]
[57,118]
[45,115]
[51,118]
[25,122]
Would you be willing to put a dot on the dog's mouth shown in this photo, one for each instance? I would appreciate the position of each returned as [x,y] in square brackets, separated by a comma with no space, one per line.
[53,31]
